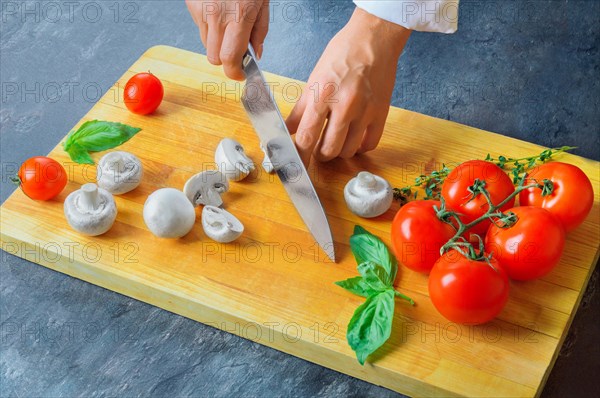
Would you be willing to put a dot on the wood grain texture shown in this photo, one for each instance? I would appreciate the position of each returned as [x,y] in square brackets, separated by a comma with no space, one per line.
[274,285]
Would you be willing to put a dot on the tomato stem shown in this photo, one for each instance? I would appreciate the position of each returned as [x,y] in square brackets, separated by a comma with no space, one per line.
[16,180]
[431,183]
[493,213]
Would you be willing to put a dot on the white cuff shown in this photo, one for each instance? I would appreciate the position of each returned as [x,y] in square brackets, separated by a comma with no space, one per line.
[420,15]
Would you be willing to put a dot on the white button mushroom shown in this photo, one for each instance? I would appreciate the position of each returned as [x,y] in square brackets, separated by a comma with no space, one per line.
[90,210]
[232,161]
[220,225]
[206,188]
[368,195]
[266,163]
[168,213]
[119,172]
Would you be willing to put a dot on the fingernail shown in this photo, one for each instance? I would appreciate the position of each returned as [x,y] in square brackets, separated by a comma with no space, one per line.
[259,52]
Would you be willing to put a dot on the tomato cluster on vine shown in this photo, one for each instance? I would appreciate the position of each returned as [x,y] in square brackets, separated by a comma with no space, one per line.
[474,239]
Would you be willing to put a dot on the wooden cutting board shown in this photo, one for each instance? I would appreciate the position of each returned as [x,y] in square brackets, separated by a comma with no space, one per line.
[274,286]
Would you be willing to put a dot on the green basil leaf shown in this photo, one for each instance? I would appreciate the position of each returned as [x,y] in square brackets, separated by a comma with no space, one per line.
[97,135]
[367,247]
[360,230]
[371,324]
[356,285]
[79,155]
[374,275]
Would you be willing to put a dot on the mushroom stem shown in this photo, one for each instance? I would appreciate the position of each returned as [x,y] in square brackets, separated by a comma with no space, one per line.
[117,163]
[89,199]
[366,180]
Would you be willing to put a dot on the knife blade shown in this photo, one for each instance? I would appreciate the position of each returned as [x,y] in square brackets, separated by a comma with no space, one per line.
[270,127]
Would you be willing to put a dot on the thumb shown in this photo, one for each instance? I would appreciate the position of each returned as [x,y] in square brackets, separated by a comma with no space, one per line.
[293,120]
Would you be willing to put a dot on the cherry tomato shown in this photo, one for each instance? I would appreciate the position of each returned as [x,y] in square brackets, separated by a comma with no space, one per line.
[531,247]
[467,291]
[572,198]
[42,178]
[418,235]
[459,199]
[143,93]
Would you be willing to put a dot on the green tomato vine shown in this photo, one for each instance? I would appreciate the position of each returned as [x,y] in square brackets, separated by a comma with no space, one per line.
[518,167]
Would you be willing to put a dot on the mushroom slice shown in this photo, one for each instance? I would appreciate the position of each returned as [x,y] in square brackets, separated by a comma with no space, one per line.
[168,213]
[232,161]
[206,188]
[90,210]
[368,195]
[119,172]
[220,225]
[266,163]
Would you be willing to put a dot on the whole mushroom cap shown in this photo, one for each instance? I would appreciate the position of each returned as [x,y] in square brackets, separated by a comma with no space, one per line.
[90,210]
[368,195]
[168,213]
[119,172]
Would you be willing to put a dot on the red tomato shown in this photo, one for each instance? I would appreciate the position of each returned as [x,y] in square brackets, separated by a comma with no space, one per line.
[42,178]
[531,247]
[143,93]
[572,198]
[458,198]
[467,291]
[418,235]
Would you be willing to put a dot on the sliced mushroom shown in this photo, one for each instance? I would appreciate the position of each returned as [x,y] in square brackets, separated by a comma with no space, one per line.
[119,172]
[168,213]
[368,195]
[232,161]
[90,210]
[266,163]
[220,225]
[206,188]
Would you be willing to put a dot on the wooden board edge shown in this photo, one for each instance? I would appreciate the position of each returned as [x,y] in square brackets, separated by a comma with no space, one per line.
[199,312]
[567,326]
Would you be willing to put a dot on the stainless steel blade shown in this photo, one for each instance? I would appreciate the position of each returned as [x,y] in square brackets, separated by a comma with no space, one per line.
[275,138]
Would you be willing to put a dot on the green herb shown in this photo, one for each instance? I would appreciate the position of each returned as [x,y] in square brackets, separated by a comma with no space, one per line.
[518,166]
[95,136]
[431,183]
[371,324]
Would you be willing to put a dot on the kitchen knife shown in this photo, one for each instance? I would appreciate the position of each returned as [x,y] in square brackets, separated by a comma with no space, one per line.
[277,142]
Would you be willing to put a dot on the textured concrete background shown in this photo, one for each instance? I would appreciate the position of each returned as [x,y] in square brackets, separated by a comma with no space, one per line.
[525,69]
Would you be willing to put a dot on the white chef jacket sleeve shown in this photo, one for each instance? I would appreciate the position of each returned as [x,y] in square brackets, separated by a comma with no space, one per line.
[420,15]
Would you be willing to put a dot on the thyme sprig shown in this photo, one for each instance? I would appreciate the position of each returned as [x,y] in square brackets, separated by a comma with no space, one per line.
[432,183]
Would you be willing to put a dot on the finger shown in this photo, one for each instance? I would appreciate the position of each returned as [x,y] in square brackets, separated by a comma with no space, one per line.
[260,29]
[293,120]
[214,41]
[356,132]
[235,45]
[204,34]
[309,131]
[333,138]
[373,134]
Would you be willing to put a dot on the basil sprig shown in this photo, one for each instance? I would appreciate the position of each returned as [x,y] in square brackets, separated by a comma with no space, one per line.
[95,136]
[371,324]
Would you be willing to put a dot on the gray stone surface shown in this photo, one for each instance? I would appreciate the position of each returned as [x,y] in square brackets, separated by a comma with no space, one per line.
[524,69]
